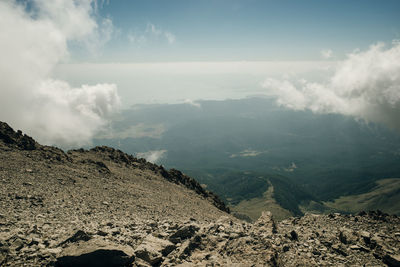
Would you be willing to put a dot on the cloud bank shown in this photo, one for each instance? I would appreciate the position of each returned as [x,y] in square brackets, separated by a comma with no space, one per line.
[33,40]
[366,85]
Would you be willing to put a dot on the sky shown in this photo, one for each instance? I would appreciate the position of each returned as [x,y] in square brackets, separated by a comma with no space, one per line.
[218,34]
[250,30]
[222,33]
[69,66]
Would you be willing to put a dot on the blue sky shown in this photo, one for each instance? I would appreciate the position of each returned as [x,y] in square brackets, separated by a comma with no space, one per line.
[223,30]
[217,34]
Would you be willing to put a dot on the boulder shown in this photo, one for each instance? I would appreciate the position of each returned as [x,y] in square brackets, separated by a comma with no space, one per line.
[153,249]
[346,236]
[189,246]
[97,258]
[392,260]
[183,233]
[266,223]
[94,252]
[78,236]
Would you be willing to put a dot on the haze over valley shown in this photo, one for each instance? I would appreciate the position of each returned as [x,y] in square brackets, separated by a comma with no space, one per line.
[240,148]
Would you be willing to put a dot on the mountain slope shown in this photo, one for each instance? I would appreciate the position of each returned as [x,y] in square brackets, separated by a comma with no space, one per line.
[43,187]
[384,196]
[102,207]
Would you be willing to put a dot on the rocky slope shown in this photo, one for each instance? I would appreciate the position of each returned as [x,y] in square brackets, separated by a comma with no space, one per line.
[105,208]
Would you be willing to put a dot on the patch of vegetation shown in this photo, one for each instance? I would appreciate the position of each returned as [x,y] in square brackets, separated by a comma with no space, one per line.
[289,195]
[384,196]
[233,186]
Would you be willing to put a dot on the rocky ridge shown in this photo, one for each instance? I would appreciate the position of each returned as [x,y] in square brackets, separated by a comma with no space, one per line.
[102,207]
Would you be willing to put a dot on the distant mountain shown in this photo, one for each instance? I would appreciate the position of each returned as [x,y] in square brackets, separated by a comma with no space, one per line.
[235,147]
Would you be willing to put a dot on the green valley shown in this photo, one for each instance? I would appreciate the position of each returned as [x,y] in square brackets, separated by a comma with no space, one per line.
[240,148]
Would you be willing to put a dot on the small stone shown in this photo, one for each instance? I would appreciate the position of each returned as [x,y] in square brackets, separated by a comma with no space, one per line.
[294,236]
[365,234]
[101,233]
[342,237]
[53,251]
[17,245]
[339,250]
[4,251]
[35,241]
[362,213]
[354,247]
[316,252]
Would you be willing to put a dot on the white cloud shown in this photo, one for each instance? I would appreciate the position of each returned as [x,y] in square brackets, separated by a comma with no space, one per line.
[192,103]
[152,156]
[100,3]
[136,39]
[106,31]
[291,97]
[366,85]
[31,45]
[247,153]
[170,37]
[152,29]
[326,54]
[150,34]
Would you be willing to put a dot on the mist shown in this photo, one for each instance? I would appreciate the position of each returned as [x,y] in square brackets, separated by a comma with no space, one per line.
[153,156]
[33,40]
